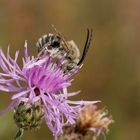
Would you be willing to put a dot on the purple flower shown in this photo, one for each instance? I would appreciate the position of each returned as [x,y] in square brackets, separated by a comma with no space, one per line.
[40,80]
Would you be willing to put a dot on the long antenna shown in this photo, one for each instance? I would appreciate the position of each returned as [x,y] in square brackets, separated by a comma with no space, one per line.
[87,45]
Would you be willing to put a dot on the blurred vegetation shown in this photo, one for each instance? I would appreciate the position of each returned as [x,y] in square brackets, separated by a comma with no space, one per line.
[111,71]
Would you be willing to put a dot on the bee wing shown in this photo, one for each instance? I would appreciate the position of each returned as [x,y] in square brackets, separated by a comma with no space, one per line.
[74,48]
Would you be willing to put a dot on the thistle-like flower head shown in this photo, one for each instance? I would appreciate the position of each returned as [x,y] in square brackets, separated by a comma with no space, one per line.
[91,123]
[39,80]
[94,119]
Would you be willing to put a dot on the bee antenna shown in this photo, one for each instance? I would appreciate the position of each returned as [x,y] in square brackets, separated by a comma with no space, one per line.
[55,29]
[87,45]
[59,33]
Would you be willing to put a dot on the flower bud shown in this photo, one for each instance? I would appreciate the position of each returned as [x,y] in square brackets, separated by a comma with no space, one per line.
[28,116]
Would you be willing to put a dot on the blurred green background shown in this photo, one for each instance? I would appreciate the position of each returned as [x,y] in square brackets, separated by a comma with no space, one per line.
[111,71]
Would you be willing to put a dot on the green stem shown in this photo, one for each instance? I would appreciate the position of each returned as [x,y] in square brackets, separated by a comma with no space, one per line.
[19,134]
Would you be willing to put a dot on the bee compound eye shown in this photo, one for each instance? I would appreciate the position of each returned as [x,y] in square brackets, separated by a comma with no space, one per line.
[70,66]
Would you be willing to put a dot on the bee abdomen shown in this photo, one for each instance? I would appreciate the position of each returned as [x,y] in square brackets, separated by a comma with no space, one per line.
[42,41]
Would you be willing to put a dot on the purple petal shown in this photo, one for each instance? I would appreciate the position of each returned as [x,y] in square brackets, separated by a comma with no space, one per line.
[19,94]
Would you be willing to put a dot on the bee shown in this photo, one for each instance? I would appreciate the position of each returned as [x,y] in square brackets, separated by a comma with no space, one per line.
[58,47]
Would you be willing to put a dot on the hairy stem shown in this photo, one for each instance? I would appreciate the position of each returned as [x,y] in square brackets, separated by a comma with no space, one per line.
[19,134]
